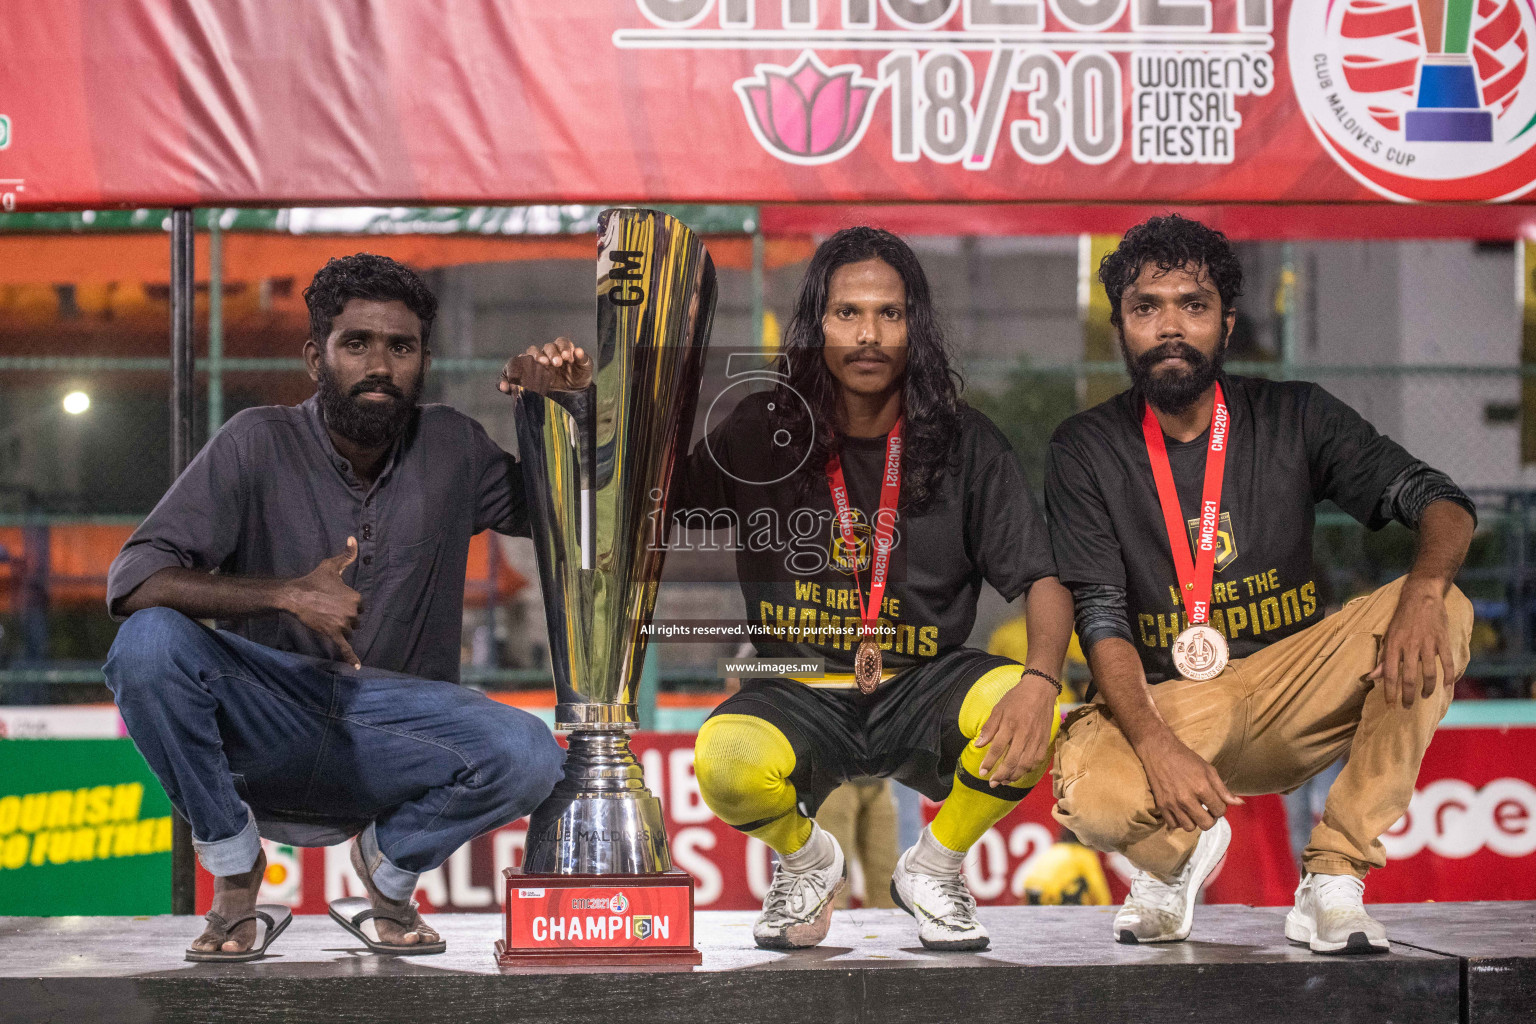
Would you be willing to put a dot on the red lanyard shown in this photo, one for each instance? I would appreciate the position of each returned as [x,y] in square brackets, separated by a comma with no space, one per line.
[885,524]
[1194,574]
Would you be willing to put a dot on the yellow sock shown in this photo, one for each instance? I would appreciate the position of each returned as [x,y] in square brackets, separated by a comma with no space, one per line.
[973,805]
[743,764]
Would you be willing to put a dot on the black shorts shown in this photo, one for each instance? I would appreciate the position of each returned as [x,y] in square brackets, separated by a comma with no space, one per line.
[907,730]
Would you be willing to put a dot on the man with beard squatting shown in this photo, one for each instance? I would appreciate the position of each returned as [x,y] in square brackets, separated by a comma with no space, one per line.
[1181,516]
[328,540]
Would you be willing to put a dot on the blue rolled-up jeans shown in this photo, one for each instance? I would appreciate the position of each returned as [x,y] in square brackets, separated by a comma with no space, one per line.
[249,741]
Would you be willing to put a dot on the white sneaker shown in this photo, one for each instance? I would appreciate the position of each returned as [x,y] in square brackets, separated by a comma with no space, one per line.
[1158,912]
[1329,916]
[944,907]
[798,908]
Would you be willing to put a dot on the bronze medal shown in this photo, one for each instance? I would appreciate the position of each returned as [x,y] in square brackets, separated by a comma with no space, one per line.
[866,658]
[866,666]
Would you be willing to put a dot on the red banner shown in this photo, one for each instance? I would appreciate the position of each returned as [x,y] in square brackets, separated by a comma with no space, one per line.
[159,102]
[1470,835]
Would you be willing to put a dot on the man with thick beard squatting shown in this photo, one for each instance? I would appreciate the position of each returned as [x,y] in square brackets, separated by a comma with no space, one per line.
[866,417]
[1181,516]
[328,540]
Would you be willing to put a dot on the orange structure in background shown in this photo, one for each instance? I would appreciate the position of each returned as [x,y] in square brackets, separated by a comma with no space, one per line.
[251,256]
[80,554]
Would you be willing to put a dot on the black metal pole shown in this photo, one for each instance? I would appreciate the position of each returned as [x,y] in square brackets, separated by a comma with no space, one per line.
[183,862]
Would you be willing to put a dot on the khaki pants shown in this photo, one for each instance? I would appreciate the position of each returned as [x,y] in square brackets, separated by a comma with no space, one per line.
[1267,724]
[861,815]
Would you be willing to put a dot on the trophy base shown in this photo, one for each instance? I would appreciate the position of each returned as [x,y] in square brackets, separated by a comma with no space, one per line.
[623,920]
[1448,107]
[1448,125]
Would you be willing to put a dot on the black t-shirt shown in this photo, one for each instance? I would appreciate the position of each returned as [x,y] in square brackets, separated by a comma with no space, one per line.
[1292,445]
[980,523]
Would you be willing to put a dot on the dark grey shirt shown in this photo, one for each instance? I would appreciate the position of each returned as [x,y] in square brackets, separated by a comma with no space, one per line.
[269,496]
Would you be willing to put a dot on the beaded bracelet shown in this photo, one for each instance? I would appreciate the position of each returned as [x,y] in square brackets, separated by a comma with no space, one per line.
[1036,672]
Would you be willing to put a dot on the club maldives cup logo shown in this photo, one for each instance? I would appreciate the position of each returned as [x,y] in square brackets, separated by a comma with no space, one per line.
[1429,100]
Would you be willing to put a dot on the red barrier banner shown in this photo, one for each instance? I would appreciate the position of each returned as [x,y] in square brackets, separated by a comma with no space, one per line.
[291,102]
[1469,835]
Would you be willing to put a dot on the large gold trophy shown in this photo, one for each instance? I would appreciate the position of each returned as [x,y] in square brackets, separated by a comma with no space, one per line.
[597,883]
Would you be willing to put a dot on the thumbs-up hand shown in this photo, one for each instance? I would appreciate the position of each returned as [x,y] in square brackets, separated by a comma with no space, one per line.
[328,606]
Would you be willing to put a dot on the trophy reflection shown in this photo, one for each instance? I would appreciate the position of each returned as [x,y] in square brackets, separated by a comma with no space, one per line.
[597,883]
[1448,105]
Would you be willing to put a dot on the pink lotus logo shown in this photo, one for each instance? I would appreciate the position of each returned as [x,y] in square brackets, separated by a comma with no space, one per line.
[808,113]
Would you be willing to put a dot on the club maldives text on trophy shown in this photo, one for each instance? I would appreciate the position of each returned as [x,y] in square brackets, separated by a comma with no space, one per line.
[597,883]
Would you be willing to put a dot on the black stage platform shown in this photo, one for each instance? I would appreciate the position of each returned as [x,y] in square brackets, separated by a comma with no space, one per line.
[1467,962]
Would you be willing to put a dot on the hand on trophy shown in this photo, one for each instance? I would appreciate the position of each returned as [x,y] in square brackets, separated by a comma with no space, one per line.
[557,366]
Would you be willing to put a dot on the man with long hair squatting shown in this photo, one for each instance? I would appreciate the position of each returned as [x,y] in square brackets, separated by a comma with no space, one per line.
[1181,515]
[913,499]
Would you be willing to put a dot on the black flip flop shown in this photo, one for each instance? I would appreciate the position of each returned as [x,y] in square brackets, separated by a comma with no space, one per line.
[274,916]
[354,912]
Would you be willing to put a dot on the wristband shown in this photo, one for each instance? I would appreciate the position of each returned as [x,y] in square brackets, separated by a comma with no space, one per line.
[1036,672]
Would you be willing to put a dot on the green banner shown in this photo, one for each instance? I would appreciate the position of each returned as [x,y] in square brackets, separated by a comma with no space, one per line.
[84,829]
